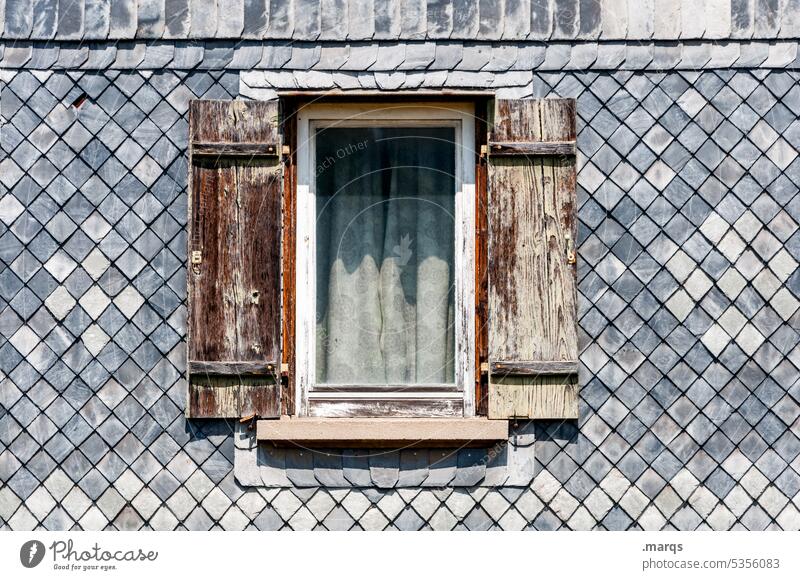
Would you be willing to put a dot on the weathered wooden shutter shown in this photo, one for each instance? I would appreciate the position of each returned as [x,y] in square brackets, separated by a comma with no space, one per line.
[234,259]
[533,343]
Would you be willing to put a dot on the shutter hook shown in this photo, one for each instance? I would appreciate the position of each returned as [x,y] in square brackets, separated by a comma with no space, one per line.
[571,258]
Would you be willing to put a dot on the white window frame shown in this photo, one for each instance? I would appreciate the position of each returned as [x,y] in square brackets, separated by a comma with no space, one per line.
[323,400]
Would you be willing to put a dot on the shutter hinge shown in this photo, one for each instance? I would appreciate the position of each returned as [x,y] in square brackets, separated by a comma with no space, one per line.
[197,259]
[484,368]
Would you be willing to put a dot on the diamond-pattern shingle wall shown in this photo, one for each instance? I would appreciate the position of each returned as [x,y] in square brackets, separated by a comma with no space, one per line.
[689,293]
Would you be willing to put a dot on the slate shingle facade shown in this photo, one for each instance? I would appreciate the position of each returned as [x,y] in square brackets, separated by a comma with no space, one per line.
[688,265]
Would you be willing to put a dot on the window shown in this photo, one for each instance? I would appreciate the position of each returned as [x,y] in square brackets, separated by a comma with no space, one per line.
[363,260]
[385,252]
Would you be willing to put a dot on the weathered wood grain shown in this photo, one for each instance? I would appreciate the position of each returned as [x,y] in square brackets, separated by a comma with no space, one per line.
[481,260]
[535,367]
[199,149]
[232,397]
[234,244]
[289,267]
[520,397]
[422,407]
[231,368]
[532,226]
[533,148]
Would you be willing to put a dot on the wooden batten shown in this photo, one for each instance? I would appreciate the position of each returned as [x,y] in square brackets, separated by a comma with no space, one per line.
[532,148]
[223,149]
[197,367]
[535,367]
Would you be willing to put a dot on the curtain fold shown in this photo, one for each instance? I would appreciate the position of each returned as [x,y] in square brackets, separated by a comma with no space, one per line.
[385,255]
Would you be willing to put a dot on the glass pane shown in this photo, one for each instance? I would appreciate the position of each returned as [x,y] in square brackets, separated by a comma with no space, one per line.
[385,248]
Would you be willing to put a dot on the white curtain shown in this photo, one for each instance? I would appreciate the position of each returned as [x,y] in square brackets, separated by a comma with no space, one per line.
[385,248]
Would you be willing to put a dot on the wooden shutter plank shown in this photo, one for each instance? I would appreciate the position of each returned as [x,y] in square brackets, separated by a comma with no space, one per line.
[234,269]
[232,397]
[532,286]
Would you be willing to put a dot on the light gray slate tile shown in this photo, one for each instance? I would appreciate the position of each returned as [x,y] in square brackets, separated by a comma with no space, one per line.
[332,20]
[45,18]
[476,56]
[72,56]
[695,55]
[245,467]
[413,467]
[187,55]
[70,19]
[767,18]
[204,18]
[502,58]
[362,56]
[557,56]
[390,56]
[442,465]
[565,19]
[589,17]
[272,465]
[328,469]
[356,467]
[413,18]
[306,19]
[129,55]
[465,19]
[388,19]
[753,54]
[665,55]
[158,55]
[471,467]
[19,18]
[255,18]
[742,18]
[246,56]
[384,468]
[418,55]
[176,18]
[529,56]
[448,56]
[96,22]
[541,20]
[615,19]
[490,13]
[44,57]
[150,18]
[17,55]
[439,18]
[122,19]
[360,20]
